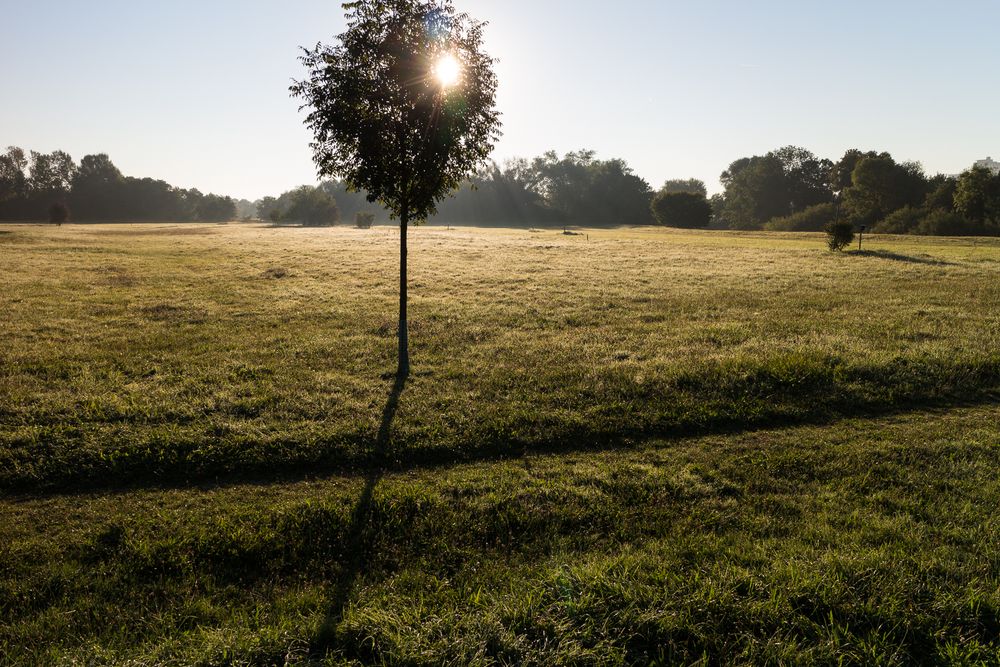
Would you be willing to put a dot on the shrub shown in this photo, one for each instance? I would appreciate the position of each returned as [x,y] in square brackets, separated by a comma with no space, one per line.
[682,209]
[813,219]
[839,234]
[902,221]
[364,219]
[945,223]
[58,213]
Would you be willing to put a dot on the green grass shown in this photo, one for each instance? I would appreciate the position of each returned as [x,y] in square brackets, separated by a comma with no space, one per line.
[624,447]
[145,355]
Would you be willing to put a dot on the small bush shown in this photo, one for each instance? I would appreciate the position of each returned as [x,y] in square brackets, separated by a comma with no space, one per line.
[839,234]
[58,213]
[812,219]
[364,219]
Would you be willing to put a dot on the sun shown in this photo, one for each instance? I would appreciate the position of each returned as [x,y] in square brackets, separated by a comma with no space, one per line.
[447,70]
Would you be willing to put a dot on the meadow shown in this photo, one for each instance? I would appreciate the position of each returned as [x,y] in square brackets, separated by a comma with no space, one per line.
[616,447]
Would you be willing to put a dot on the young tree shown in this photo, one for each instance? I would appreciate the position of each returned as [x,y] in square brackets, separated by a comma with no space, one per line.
[839,235]
[403,107]
[58,213]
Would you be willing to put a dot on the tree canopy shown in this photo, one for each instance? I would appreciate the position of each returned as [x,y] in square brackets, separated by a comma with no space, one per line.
[682,209]
[382,121]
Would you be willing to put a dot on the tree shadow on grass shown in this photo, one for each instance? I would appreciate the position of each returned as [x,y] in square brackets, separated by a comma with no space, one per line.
[896,257]
[357,546]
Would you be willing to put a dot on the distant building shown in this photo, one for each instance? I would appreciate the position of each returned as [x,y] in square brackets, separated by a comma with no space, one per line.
[991,164]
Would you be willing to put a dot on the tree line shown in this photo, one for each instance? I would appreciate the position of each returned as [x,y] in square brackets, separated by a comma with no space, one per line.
[791,189]
[787,189]
[577,189]
[38,186]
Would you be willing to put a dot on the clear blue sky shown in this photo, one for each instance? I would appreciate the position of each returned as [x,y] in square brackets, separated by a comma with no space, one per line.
[196,92]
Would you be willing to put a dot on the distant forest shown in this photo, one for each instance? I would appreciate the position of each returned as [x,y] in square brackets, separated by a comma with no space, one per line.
[788,189]
[96,191]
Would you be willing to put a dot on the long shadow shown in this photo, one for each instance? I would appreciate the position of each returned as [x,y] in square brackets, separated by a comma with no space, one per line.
[357,546]
[377,465]
[896,257]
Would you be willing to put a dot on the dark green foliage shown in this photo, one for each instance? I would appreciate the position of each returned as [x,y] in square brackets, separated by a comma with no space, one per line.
[756,191]
[265,207]
[813,219]
[693,185]
[13,181]
[901,221]
[977,196]
[880,186]
[941,193]
[311,207]
[783,182]
[97,191]
[842,173]
[946,223]
[933,222]
[213,208]
[58,213]
[584,190]
[364,219]
[682,209]
[840,234]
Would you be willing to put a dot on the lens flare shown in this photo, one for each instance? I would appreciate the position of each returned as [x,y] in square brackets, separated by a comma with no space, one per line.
[447,70]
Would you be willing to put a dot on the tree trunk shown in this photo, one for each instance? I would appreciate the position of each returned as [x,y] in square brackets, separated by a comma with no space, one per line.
[403,369]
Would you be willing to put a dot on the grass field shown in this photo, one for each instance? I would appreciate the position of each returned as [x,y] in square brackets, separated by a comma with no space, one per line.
[616,447]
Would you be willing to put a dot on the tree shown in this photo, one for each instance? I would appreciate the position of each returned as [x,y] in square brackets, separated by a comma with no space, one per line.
[97,188]
[312,207]
[266,206]
[807,177]
[842,172]
[784,181]
[58,213]
[880,185]
[977,195]
[364,219]
[756,191]
[403,107]
[585,190]
[51,173]
[941,193]
[682,209]
[214,208]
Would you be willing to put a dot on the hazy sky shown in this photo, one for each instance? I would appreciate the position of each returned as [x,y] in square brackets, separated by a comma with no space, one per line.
[195,92]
